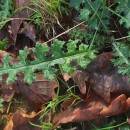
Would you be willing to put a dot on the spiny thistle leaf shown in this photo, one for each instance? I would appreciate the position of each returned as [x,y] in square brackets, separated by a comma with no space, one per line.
[46,64]
[40,51]
[6,62]
[72,45]
[23,55]
[56,48]
[11,77]
[29,75]
[83,47]
[49,72]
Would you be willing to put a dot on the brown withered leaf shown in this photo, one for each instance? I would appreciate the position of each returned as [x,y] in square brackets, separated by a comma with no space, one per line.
[104,78]
[6,92]
[29,31]
[86,110]
[21,14]
[74,115]
[117,106]
[92,108]
[44,86]
[80,78]
[40,92]
[21,121]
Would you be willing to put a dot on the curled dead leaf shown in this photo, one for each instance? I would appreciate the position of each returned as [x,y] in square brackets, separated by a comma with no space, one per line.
[92,108]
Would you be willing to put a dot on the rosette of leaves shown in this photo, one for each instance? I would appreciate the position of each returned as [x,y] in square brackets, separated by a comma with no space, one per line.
[46,64]
[121,53]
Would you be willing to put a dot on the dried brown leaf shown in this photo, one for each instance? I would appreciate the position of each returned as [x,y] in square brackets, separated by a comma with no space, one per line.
[92,108]
[21,15]
[21,121]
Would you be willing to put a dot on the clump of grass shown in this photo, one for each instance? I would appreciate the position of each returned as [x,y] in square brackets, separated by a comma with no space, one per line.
[46,15]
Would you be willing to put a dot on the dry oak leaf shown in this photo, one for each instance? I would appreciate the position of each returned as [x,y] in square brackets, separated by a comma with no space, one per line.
[20,16]
[40,92]
[21,121]
[103,78]
[117,106]
[29,30]
[92,108]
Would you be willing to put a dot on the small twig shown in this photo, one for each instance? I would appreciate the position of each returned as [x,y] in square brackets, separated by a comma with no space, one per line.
[8,108]
[64,32]
[11,19]
[122,38]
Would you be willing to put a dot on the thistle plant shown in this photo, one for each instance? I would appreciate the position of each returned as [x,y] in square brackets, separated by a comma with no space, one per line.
[46,64]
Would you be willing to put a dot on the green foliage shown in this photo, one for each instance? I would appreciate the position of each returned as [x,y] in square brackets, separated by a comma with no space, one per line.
[46,64]
[100,41]
[50,6]
[1,104]
[97,13]
[5,10]
[122,58]
[46,15]
[123,7]
[94,12]
[3,44]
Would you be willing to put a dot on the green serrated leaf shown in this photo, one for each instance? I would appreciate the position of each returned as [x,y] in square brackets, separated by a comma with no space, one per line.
[56,48]
[40,51]
[84,14]
[6,62]
[72,45]
[83,47]
[23,55]
[47,64]
[29,76]
[68,68]
[49,73]
[92,55]
[11,78]
[83,62]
